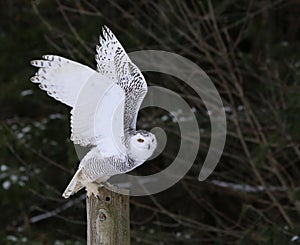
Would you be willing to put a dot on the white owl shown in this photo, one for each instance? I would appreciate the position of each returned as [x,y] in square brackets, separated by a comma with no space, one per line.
[105,106]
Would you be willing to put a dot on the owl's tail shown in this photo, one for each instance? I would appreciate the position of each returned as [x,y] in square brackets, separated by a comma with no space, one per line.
[74,186]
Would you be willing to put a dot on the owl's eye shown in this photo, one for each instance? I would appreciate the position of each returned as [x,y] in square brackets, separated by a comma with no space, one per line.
[140,140]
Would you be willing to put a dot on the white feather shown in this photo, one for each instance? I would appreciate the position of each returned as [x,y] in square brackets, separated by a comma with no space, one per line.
[113,62]
[61,78]
[97,118]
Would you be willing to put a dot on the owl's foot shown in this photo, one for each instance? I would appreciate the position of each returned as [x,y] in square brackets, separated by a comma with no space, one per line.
[92,189]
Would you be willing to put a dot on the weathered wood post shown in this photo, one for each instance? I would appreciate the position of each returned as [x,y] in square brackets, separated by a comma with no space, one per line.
[108,220]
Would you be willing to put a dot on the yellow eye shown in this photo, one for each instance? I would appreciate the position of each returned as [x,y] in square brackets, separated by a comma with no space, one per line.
[140,140]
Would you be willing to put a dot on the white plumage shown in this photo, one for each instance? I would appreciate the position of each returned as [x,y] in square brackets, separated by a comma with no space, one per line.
[105,105]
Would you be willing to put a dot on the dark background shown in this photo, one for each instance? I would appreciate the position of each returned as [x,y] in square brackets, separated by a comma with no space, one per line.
[250,50]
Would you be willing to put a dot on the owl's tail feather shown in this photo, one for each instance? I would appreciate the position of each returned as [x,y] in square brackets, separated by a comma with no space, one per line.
[73,186]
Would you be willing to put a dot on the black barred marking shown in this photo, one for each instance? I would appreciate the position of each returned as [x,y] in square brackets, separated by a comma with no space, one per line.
[47,70]
[94,167]
[113,62]
[34,79]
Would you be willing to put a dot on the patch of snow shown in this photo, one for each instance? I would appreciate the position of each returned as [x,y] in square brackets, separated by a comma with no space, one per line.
[227,109]
[24,178]
[246,188]
[6,185]
[295,238]
[57,242]
[26,92]
[24,239]
[240,108]
[55,116]
[39,125]
[14,178]
[26,129]
[164,118]
[21,183]
[20,136]
[52,142]
[12,238]
[37,170]
[3,168]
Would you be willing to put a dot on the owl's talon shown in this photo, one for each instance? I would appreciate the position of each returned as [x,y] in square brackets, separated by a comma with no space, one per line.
[92,189]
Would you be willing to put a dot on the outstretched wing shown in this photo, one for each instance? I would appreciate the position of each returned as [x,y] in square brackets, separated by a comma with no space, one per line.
[113,62]
[61,78]
[97,117]
[97,102]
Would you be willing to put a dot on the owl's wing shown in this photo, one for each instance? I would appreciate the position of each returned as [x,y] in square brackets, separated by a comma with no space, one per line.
[113,62]
[61,78]
[98,103]
[97,118]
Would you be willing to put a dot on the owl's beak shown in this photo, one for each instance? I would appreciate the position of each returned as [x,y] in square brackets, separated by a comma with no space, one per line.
[148,146]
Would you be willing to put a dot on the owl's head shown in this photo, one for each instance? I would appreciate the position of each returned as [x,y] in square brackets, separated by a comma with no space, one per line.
[142,145]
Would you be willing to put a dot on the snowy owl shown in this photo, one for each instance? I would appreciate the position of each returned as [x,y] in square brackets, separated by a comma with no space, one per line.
[105,104]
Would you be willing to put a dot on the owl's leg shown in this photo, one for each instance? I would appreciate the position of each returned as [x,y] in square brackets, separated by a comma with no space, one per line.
[92,189]
[108,185]
[103,182]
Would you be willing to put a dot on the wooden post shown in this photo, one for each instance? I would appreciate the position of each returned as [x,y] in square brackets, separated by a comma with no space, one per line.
[108,221]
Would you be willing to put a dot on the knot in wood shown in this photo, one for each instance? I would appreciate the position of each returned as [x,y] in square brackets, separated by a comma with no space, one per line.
[102,216]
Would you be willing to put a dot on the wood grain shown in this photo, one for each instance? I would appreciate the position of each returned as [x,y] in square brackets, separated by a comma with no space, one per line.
[108,220]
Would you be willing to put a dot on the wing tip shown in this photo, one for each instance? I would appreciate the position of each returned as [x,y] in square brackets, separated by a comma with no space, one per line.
[34,63]
[35,79]
[48,60]
[106,33]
